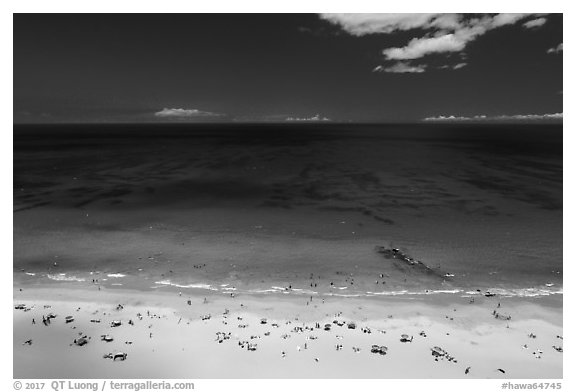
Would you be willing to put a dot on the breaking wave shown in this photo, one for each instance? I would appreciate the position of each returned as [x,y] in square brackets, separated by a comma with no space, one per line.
[529,292]
[204,286]
[520,292]
[63,277]
[116,275]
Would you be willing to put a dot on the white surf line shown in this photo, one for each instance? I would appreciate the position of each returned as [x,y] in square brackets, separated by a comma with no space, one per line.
[64,278]
[525,292]
[203,286]
[117,275]
[345,295]
[271,290]
[521,292]
[454,291]
[303,291]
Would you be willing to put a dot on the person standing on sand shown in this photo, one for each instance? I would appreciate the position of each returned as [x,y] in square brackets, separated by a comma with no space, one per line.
[33,321]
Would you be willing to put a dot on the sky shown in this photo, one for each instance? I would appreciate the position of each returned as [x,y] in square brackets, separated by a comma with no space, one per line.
[287,67]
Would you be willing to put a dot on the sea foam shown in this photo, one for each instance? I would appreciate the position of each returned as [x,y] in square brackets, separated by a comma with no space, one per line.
[64,278]
[116,275]
[204,286]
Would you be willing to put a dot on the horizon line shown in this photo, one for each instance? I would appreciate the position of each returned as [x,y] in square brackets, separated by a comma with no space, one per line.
[323,123]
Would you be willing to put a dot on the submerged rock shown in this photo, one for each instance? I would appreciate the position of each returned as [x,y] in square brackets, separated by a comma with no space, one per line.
[407,261]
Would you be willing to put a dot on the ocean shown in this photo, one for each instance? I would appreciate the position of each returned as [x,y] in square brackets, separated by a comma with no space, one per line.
[295,207]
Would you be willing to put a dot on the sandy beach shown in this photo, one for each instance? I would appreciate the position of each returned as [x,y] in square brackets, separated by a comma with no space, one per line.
[207,335]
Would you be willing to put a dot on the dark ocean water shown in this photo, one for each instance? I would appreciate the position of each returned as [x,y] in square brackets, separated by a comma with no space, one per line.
[481,201]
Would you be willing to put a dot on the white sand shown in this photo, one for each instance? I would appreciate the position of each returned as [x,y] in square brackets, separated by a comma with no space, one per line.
[184,346]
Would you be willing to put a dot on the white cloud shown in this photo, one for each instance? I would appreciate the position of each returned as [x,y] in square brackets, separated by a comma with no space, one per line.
[401,67]
[419,47]
[447,21]
[507,19]
[534,23]
[556,49]
[521,117]
[454,40]
[455,66]
[362,24]
[184,113]
[447,32]
[316,117]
